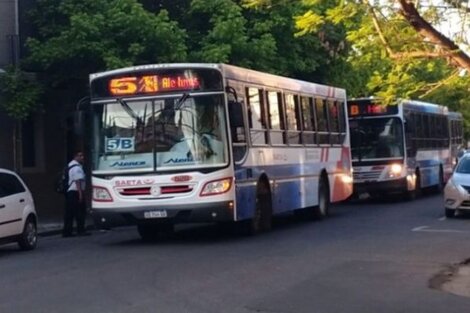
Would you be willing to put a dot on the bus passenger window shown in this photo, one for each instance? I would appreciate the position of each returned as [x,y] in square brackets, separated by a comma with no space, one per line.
[322,121]
[308,121]
[256,117]
[333,121]
[341,121]
[276,123]
[293,125]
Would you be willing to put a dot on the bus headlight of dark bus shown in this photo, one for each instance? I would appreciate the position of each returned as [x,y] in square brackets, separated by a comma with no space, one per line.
[395,170]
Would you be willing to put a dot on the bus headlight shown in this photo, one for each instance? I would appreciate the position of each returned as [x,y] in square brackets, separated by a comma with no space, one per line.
[101,194]
[217,187]
[347,179]
[395,170]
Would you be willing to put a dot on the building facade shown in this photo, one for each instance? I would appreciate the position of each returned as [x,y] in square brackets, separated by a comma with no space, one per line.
[35,148]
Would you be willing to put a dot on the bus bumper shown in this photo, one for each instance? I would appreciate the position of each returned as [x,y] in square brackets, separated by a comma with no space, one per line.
[194,213]
[384,187]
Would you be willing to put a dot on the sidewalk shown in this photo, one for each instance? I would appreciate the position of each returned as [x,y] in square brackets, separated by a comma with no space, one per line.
[51,227]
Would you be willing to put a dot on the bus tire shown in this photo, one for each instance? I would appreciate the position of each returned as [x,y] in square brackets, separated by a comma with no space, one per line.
[322,209]
[152,232]
[262,218]
[440,184]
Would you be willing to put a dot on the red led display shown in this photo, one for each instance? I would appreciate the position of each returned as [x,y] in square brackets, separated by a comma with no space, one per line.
[133,85]
[367,108]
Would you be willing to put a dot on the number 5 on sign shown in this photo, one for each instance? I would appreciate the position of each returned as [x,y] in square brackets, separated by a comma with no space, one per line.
[120,144]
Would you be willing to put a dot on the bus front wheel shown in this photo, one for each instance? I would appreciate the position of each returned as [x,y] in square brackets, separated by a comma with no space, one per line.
[262,218]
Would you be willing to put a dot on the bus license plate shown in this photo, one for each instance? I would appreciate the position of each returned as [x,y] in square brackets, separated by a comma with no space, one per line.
[155,214]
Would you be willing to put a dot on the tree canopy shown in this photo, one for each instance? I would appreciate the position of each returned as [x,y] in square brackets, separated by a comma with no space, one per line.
[388,49]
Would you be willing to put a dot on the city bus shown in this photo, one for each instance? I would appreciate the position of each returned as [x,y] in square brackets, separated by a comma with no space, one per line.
[456,136]
[401,147]
[203,143]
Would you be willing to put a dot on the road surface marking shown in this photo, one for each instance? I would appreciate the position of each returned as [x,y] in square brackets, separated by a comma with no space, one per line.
[430,230]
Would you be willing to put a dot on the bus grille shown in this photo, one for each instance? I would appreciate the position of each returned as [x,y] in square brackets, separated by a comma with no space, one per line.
[164,190]
[367,176]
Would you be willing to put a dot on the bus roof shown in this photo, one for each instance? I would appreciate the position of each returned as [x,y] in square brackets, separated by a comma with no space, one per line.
[243,75]
[415,105]
[455,115]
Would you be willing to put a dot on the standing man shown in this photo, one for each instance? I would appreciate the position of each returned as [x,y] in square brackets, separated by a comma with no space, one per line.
[75,205]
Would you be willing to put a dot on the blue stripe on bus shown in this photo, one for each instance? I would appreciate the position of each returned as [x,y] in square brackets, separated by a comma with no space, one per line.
[300,191]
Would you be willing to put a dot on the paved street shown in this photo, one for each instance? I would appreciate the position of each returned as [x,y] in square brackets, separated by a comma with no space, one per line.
[368,257]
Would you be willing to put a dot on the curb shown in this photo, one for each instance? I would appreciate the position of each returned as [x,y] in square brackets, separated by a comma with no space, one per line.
[56,229]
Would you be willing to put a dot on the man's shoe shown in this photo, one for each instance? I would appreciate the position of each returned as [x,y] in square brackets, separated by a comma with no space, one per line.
[84,234]
[68,235]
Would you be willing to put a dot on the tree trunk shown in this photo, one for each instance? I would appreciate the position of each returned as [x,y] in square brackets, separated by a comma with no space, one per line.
[426,30]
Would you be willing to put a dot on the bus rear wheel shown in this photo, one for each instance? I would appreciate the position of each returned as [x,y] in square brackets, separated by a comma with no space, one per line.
[322,209]
[440,184]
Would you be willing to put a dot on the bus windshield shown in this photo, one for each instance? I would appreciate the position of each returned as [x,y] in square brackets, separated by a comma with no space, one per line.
[160,134]
[376,138]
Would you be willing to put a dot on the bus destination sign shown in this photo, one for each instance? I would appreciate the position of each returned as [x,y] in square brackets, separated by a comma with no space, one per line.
[368,108]
[132,85]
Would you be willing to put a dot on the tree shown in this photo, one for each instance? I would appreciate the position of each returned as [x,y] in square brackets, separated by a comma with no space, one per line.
[405,43]
[77,37]
[224,31]
[20,93]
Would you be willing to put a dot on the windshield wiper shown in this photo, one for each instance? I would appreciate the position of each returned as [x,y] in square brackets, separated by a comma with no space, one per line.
[181,101]
[129,111]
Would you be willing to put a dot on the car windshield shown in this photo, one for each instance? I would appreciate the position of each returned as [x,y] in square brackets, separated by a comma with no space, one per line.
[464,166]
[378,138]
[160,134]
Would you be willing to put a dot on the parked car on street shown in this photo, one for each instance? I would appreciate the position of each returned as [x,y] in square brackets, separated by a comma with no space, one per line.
[18,219]
[457,189]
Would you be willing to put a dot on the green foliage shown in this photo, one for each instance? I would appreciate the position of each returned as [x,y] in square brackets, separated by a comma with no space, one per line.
[455,94]
[85,36]
[19,93]
[325,41]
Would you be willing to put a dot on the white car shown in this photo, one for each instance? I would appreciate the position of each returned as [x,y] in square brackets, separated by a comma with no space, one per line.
[18,219]
[457,189]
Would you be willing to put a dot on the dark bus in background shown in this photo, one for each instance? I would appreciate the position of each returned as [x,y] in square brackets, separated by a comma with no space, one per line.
[401,147]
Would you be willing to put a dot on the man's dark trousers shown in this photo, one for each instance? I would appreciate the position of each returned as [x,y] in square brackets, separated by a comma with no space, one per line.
[74,209]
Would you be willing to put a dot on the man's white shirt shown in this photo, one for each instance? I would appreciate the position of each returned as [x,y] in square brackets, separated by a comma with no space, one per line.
[76,173]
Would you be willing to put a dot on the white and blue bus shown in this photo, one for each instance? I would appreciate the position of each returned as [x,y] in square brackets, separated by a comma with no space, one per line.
[456,136]
[401,147]
[184,143]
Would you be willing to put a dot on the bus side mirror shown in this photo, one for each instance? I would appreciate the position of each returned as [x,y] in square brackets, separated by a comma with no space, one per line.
[235,112]
[79,116]
[78,122]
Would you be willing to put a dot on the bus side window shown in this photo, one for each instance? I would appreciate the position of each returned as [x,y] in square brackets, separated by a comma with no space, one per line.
[256,116]
[333,121]
[341,121]
[276,120]
[292,122]
[308,121]
[322,121]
